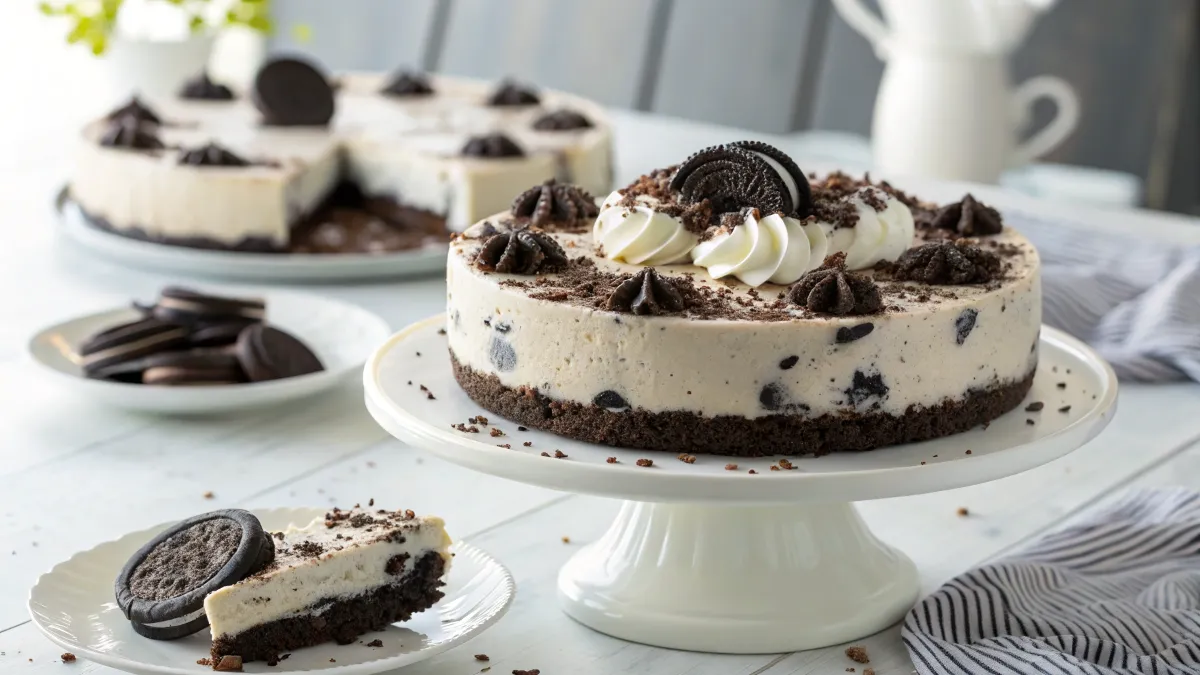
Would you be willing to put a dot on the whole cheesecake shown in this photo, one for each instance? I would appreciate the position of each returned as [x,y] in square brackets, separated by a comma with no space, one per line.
[733,305]
[301,164]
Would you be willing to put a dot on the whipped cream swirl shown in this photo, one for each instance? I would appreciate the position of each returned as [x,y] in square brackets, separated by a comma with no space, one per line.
[775,249]
[641,235]
[879,234]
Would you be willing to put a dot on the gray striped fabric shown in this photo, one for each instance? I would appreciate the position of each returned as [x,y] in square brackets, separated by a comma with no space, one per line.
[1136,302]
[1119,593]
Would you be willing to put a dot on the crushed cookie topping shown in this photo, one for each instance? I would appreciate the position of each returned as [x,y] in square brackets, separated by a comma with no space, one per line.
[647,292]
[524,251]
[831,289]
[553,202]
[958,262]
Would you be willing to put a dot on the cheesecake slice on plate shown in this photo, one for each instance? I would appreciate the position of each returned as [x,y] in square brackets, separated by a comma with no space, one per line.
[342,575]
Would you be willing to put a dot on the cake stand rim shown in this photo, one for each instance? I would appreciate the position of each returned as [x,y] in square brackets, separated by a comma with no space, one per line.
[625,482]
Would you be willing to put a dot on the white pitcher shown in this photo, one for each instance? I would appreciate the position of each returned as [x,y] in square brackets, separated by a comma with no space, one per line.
[946,107]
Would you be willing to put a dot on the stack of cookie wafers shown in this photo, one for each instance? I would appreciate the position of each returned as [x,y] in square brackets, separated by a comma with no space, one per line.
[192,338]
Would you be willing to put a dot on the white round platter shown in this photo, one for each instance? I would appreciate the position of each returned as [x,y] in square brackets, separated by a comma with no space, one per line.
[275,267]
[342,336]
[710,559]
[73,605]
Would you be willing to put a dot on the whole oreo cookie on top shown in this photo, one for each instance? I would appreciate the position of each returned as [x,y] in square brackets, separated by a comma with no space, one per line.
[291,92]
[731,179]
[268,353]
[161,589]
[797,183]
[183,305]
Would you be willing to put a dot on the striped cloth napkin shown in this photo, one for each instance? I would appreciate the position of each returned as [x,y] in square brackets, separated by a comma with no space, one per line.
[1136,302]
[1116,594]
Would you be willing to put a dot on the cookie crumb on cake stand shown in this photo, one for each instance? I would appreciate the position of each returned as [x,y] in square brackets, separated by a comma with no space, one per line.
[766,555]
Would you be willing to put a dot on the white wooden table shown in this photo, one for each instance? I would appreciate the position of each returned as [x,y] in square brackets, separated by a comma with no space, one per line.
[73,475]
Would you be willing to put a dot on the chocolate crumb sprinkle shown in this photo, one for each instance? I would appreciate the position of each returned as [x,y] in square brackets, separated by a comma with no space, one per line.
[482,657]
[857,654]
[645,462]
[1065,409]
[375,643]
[1035,406]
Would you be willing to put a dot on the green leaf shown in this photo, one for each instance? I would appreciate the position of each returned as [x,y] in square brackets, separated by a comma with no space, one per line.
[302,33]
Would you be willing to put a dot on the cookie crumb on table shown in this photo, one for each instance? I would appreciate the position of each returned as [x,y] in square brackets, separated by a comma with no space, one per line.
[963,512]
[375,643]
[868,671]
[209,495]
[204,662]
[230,663]
[611,460]
[566,539]
[645,462]
[68,657]
[482,657]
[559,454]
[857,654]
[534,671]
[687,459]
[731,467]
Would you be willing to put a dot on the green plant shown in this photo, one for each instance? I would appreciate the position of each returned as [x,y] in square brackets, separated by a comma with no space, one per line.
[93,21]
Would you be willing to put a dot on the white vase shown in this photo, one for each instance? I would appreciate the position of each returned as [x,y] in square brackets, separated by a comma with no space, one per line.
[154,68]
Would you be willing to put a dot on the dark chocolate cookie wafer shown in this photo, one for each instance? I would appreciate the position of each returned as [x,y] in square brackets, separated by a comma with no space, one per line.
[731,179]
[194,367]
[182,305]
[178,367]
[129,341]
[162,587]
[798,187]
[217,334]
[268,353]
[291,92]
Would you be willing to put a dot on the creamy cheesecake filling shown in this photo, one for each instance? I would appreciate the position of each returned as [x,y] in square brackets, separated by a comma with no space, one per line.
[403,149]
[913,354]
[317,565]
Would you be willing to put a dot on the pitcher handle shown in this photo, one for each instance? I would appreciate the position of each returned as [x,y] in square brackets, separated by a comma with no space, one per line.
[866,22]
[1065,119]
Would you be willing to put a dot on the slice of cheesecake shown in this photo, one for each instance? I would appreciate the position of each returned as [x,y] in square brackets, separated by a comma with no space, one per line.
[340,576]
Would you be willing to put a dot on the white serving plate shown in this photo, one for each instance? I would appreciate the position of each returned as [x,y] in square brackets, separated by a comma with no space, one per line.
[342,335]
[279,267]
[73,605]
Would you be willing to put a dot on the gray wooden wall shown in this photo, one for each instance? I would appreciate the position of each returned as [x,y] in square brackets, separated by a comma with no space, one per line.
[786,65]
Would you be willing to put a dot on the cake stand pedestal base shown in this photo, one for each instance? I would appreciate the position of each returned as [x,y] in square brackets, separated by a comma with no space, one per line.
[738,579]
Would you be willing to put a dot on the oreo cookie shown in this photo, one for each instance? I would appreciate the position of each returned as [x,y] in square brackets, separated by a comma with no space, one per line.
[270,354]
[182,305]
[795,180]
[217,334]
[194,367]
[291,92]
[731,179]
[128,342]
[161,589]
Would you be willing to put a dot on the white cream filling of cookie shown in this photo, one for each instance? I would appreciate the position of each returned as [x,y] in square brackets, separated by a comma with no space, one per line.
[298,583]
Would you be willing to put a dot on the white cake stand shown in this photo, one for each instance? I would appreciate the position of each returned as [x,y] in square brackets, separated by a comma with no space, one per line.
[708,559]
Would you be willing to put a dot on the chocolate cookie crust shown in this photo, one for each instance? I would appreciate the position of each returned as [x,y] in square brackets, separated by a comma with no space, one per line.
[682,431]
[343,620]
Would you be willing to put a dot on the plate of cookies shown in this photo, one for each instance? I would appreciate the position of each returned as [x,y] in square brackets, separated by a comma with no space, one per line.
[194,352]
